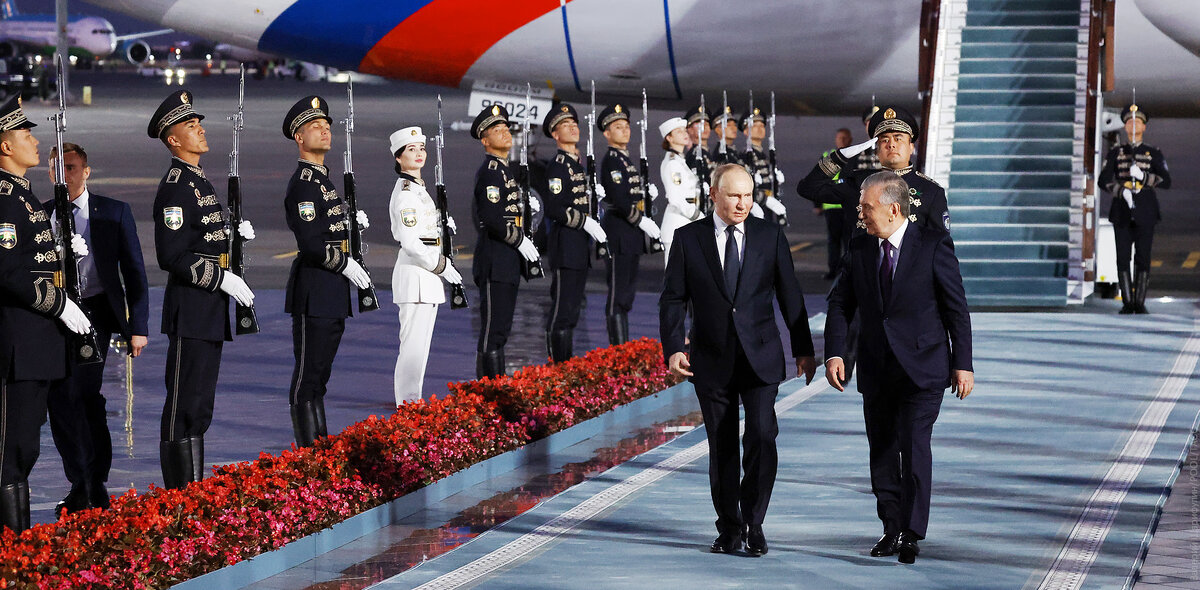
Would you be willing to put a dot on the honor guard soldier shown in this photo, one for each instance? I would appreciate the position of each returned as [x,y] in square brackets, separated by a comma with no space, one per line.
[680,182]
[318,287]
[1132,172]
[35,315]
[698,129]
[572,229]
[724,123]
[754,124]
[191,238]
[626,222]
[502,246]
[416,286]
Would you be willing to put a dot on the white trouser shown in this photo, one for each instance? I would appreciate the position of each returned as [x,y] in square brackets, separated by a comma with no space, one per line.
[416,333]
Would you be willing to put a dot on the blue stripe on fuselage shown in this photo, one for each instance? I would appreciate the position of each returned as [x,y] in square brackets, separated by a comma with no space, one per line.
[337,34]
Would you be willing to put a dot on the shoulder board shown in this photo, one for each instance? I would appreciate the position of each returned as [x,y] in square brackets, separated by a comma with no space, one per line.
[922,175]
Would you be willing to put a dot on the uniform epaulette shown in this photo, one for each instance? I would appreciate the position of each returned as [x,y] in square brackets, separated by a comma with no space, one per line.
[173,175]
[922,175]
[491,165]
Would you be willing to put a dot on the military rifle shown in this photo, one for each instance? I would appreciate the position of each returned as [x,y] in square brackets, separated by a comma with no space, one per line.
[529,270]
[367,300]
[247,320]
[458,296]
[781,219]
[702,172]
[593,201]
[656,244]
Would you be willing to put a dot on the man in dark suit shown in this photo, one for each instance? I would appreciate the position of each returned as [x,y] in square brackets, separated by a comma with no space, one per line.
[902,279]
[115,298]
[729,268]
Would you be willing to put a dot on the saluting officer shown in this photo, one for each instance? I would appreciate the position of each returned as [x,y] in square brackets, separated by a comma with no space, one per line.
[868,159]
[679,180]
[191,237]
[33,344]
[416,288]
[572,230]
[758,164]
[625,220]
[502,245]
[698,129]
[318,287]
[1131,174]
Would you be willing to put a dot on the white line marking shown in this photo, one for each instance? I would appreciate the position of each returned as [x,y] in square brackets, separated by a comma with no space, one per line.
[518,548]
[1082,547]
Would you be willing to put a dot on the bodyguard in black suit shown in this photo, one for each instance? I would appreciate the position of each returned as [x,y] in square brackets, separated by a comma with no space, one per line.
[729,268]
[902,279]
[116,299]
[191,237]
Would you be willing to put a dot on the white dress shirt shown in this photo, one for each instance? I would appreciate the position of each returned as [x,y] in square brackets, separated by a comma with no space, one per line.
[87,264]
[895,239]
[739,236]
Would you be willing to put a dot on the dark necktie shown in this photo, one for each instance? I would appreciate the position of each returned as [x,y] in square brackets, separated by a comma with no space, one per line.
[885,272]
[733,263]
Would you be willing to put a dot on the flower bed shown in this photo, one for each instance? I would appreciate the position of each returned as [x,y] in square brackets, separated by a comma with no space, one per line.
[162,537]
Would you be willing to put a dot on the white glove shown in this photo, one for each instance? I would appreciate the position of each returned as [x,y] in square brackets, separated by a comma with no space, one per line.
[600,191]
[528,250]
[854,150]
[592,227]
[650,228]
[237,288]
[79,246]
[1128,196]
[756,211]
[357,274]
[704,188]
[74,319]
[653,190]
[779,176]
[451,274]
[1135,171]
[534,205]
[450,224]
[246,230]
[363,222]
[775,206]
[758,179]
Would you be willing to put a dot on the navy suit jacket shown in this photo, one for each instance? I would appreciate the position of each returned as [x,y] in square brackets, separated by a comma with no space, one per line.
[118,254]
[925,323]
[723,320]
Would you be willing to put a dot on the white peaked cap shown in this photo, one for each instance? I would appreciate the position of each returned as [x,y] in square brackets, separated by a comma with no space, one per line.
[666,127]
[406,136]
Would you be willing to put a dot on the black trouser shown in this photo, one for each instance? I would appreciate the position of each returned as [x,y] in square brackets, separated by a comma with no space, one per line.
[314,344]
[760,459]
[899,427]
[566,294]
[191,379]
[1134,239]
[835,229]
[78,418]
[622,282]
[497,301]
[22,413]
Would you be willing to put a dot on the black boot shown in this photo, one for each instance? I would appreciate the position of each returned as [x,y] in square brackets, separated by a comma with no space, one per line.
[490,363]
[14,506]
[1139,291]
[196,446]
[175,457]
[319,417]
[303,424]
[98,495]
[618,329]
[561,343]
[1126,285]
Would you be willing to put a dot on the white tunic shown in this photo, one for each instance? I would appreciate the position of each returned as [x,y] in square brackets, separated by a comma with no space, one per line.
[416,225]
[682,192]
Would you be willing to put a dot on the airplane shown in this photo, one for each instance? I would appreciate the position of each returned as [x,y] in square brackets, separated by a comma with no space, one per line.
[90,37]
[820,57]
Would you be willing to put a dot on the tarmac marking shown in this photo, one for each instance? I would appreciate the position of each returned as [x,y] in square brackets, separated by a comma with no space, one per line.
[801,246]
[1192,260]
[522,546]
[1155,263]
[284,255]
[1079,552]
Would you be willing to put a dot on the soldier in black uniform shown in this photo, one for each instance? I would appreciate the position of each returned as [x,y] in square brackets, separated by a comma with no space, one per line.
[868,159]
[703,166]
[758,164]
[572,230]
[1131,174]
[502,246]
[625,221]
[35,315]
[724,123]
[191,237]
[318,287]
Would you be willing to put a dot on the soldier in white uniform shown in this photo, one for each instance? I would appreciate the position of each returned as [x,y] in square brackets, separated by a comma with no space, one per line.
[416,286]
[682,186]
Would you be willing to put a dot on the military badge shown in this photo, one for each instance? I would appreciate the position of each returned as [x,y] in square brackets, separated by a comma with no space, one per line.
[409,217]
[5,187]
[306,174]
[677,178]
[912,218]
[308,211]
[173,176]
[556,185]
[173,217]
[616,176]
[889,114]
[184,98]
[8,236]
[493,194]
[316,103]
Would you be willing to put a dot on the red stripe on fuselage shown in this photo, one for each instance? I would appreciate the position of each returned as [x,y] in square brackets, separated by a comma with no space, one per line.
[441,41]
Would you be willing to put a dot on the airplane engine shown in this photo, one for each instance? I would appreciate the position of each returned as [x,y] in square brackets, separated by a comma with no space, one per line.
[136,52]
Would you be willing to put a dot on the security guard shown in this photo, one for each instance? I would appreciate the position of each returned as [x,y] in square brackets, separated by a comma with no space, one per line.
[626,221]
[416,286]
[680,182]
[759,165]
[318,287]
[699,129]
[191,238]
[572,229]
[502,246]
[33,344]
[1131,174]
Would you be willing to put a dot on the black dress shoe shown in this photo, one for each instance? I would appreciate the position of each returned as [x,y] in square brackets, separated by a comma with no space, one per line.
[756,543]
[727,542]
[907,547]
[77,499]
[886,545]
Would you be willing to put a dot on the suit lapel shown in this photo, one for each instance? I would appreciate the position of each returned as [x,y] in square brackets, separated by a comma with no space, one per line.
[752,250]
[708,244]
[908,245]
[871,261]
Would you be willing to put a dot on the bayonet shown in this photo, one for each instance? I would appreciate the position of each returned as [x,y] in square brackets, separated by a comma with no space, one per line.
[458,296]
[246,321]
